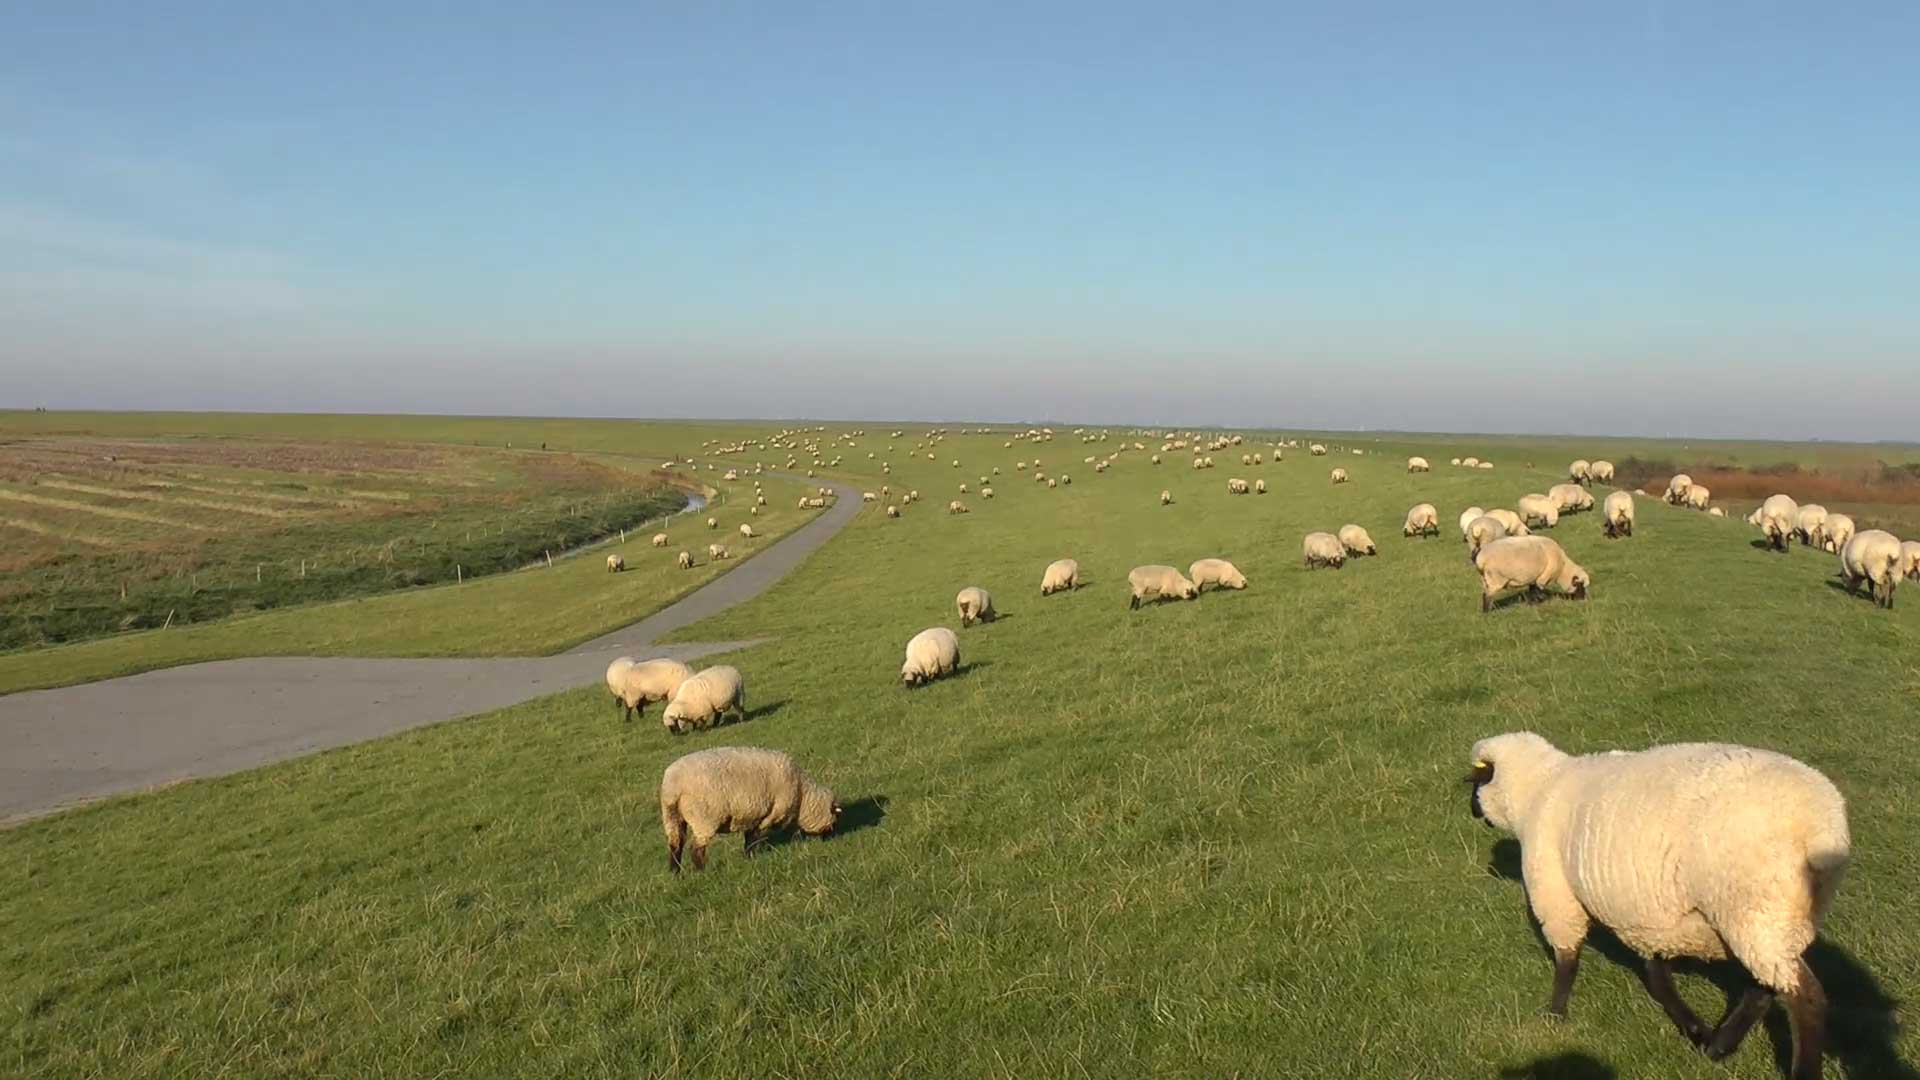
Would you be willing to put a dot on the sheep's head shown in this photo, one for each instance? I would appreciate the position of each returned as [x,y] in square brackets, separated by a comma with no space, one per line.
[675,719]
[1575,580]
[819,810]
[1506,771]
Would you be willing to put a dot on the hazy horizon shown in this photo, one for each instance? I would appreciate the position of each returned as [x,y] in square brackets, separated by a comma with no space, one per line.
[1667,222]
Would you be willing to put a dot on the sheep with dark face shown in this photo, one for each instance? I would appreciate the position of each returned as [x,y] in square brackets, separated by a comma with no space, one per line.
[741,789]
[1533,563]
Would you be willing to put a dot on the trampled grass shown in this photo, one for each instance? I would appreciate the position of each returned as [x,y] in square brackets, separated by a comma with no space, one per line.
[1209,839]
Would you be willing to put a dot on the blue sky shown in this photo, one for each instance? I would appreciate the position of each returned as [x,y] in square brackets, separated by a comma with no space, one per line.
[1654,219]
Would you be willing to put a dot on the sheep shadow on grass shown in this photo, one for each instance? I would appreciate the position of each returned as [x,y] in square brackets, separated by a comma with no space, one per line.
[1567,1066]
[1863,1027]
[855,815]
[1861,592]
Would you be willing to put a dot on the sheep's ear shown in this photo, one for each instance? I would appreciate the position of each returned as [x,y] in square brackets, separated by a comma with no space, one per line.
[1482,773]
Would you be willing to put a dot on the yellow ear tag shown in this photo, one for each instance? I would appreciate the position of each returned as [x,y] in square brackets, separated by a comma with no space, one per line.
[1480,764]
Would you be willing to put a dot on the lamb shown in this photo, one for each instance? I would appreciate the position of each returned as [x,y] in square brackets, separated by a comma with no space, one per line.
[932,653]
[1356,541]
[1698,497]
[1422,519]
[1322,549]
[1618,515]
[976,605]
[1872,556]
[1810,523]
[1338,476]
[1466,519]
[686,560]
[1166,497]
[740,789]
[1217,572]
[634,684]
[1688,850]
[1601,472]
[1418,464]
[1062,575]
[1778,517]
[1510,521]
[1581,471]
[1910,560]
[717,551]
[1539,508]
[1570,497]
[706,699]
[659,539]
[1838,529]
[957,507]
[1528,562]
[1676,492]
[1155,582]
[1482,531]
[615,564]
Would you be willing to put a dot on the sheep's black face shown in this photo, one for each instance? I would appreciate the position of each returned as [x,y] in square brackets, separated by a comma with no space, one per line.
[1481,776]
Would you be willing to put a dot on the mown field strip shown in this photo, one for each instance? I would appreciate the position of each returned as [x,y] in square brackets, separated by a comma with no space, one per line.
[43,529]
[102,511]
[163,498]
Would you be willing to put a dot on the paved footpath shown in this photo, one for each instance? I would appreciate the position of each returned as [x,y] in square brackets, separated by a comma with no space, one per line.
[75,743]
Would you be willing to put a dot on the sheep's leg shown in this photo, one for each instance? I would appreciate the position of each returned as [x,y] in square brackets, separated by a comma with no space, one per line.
[699,855]
[1566,964]
[750,841]
[1659,978]
[1740,1018]
[1486,602]
[674,844]
[1807,1010]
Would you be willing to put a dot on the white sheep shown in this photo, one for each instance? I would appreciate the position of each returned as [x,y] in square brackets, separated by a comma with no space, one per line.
[707,698]
[659,539]
[1469,462]
[1910,560]
[615,564]
[713,523]
[1538,508]
[1418,464]
[1837,530]
[634,684]
[975,604]
[1810,523]
[1155,582]
[1422,519]
[718,551]
[1166,497]
[686,560]
[1779,515]
[1509,521]
[1484,465]
[1237,486]
[1259,487]
[1698,497]
[1872,556]
[1453,461]
[1570,497]
[1482,531]
[1581,471]
[1533,563]
[932,653]
[1466,519]
[1617,515]
[1676,492]
[1218,572]
[1601,472]
[957,507]
[1062,575]
[740,789]
[1322,549]
[1317,450]
[1698,850]
[747,532]
[1356,541]
[893,511]
[1338,476]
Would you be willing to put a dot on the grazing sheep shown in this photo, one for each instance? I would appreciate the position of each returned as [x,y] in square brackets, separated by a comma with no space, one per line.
[1422,519]
[1718,512]
[686,560]
[1810,523]
[718,551]
[1618,515]
[747,532]
[893,511]
[1237,486]
[659,539]
[1218,572]
[1466,519]
[1677,487]
[1837,530]
[1482,531]
[1156,459]
[1317,450]
[975,604]
[634,684]
[1155,582]
[1580,471]
[1338,476]
[1356,541]
[1484,465]
[1910,560]
[1779,516]
[1510,521]
[1570,497]
[1453,461]
[1699,850]
[1062,575]
[740,789]
[1322,549]
[1259,487]
[1469,462]
[1166,497]
[963,487]
[1698,497]
[713,523]
[1532,563]
[1872,556]
[1601,472]
[957,507]
[707,698]
[1418,464]
[615,564]
[932,653]
[1537,507]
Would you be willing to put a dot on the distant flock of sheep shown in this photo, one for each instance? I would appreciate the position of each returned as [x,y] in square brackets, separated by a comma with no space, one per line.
[1618,836]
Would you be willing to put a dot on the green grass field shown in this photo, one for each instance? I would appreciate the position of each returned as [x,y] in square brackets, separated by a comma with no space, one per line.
[1216,838]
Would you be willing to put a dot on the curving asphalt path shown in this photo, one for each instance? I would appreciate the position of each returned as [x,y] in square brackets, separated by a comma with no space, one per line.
[69,745]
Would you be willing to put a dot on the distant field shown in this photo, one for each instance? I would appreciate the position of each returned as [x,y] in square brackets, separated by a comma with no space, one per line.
[1221,838]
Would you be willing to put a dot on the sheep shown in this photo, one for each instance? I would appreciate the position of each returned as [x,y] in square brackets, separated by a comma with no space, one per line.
[1676,492]
[1466,519]
[713,523]
[1453,461]
[1156,459]
[1698,497]
[1810,523]
[893,511]
[1837,530]
[1338,476]
[634,684]
[740,789]
[1418,464]
[1061,575]
[1699,850]
[706,699]
[1259,487]
[1237,486]
[686,560]
[1910,560]
[932,653]
[1154,582]
[747,532]
[869,496]
[659,539]
[1537,507]
[957,507]
[1484,465]
[986,492]
[1469,462]
[615,564]
[1422,519]
[1872,556]
[976,605]
[718,551]
[1166,497]
[1581,471]
[1322,549]
[963,487]
[1720,513]
[1482,531]
[1531,563]
[1779,516]
[1601,472]
[1217,572]
[1510,521]
[1052,483]
[1356,541]
[1570,497]
[1617,515]
[1317,450]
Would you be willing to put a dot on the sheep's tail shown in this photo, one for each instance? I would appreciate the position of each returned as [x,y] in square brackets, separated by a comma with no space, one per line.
[672,823]
[1829,849]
